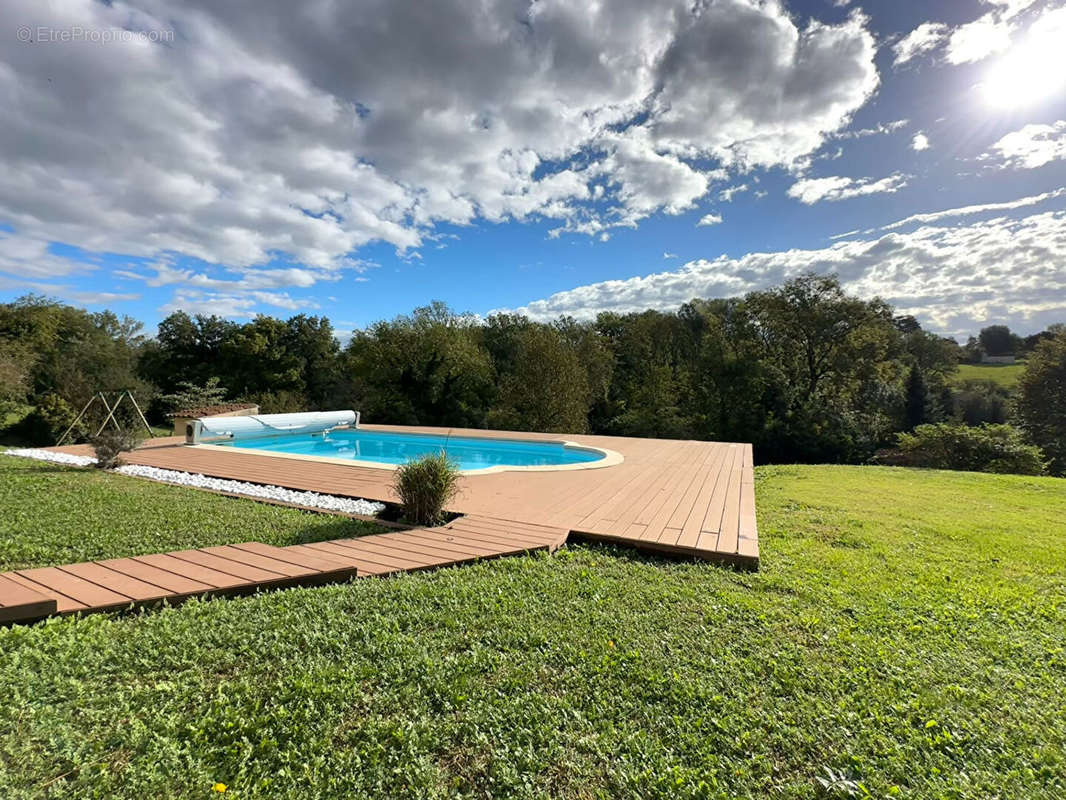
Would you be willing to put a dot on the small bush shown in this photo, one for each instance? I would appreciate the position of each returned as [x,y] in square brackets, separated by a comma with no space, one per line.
[987,448]
[110,444]
[425,486]
[48,421]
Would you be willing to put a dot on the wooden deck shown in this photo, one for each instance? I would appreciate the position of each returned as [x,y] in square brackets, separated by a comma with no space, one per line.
[689,498]
[120,583]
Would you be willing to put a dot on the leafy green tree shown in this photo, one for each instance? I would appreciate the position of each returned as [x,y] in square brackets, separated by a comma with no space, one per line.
[1042,399]
[917,410]
[425,369]
[997,340]
[542,383]
[189,395]
[836,362]
[75,353]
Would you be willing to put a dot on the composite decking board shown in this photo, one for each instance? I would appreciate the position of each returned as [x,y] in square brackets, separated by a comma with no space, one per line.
[244,572]
[364,561]
[728,534]
[176,585]
[673,477]
[626,513]
[83,592]
[64,603]
[661,518]
[511,525]
[653,498]
[499,538]
[20,602]
[135,589]
[542,534]
[432,546]
[492,543]
[187,569]
[291,556]
[661,507]
[460,545]
[387,554]
[257,560]
[711,523]
[365,568]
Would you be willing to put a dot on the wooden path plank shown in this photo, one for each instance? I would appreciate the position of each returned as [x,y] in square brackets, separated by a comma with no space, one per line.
[17,601]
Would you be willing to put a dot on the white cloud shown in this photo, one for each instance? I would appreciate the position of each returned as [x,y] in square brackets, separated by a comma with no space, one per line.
[1032,146]
[260,133]
[980,208]
[972,41]
[881,129]
[234,306]
[953,278]
[669,255]
[710,219]
[814,190]
[926,37]
[920,142]
[979,39]
[727,194]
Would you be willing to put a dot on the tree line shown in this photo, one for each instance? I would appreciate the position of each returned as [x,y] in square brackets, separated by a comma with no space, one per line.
[804,371]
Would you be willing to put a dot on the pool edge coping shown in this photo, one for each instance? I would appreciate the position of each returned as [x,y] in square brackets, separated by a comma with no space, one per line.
[610,458]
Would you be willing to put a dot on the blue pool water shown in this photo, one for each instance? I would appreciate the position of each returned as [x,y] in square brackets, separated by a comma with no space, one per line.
[397,448]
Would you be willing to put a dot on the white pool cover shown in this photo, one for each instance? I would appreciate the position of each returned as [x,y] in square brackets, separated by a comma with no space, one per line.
[260,425]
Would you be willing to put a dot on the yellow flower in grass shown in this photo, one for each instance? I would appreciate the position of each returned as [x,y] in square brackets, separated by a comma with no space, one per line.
[219,787]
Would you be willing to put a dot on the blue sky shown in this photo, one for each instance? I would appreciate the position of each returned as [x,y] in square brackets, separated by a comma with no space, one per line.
[360,162]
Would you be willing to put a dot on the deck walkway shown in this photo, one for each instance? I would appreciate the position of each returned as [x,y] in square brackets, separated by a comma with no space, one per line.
[689,498]
[30,594]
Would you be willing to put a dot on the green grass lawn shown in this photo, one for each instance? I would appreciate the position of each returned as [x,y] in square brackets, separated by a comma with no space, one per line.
[51,514]
[1005,375]
[907,631]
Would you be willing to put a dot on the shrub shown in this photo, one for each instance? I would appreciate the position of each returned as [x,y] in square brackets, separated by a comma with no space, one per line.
[279,402]
[48,421]
[987,448]
[425,486]
[1042,398]
[978,402]
[189,395]
[110,444]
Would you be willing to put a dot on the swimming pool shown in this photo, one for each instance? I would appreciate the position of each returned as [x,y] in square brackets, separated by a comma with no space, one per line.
[388,449]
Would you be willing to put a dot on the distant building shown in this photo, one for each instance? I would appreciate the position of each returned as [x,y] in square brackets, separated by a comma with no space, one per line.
[996,359]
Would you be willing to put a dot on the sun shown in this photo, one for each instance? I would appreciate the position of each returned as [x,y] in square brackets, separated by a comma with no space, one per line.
[1035,67]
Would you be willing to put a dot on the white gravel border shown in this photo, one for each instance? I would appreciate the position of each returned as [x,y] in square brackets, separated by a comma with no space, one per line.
[51,455]
[326,502]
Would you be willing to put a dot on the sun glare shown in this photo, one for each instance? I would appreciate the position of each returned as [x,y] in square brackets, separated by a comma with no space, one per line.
[1034,69]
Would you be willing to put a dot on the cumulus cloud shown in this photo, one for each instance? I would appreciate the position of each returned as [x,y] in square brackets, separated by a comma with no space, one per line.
[709,219]
[926,37]
[920,142]
[972,41]
[967,211]
[1032,146]
[813,190]
[255,132]
[979,39]
[953,278]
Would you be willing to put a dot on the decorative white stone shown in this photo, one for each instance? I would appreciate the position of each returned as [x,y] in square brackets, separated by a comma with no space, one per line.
[50,455]
[327,502]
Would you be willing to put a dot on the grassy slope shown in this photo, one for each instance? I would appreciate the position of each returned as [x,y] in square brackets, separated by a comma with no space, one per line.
[1005,375]
[55,515]
[907,628]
